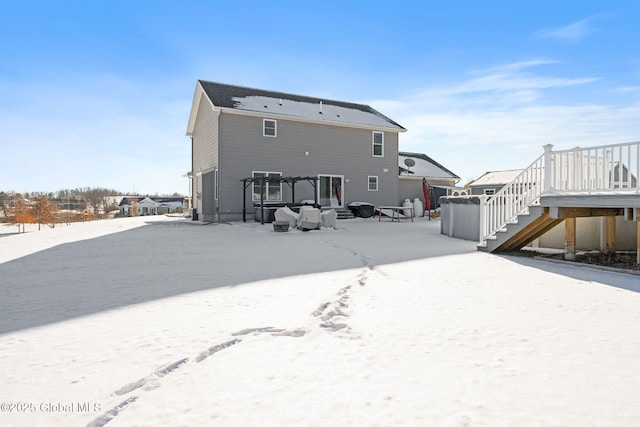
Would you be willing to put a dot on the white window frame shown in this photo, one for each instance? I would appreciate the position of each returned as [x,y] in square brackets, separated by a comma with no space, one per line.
[266,187]
[374,144]
[275,128]
[489,191]
[369,182]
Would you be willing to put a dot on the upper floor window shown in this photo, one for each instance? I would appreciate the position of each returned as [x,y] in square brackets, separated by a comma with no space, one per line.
[489,191]
[378,144]
[269,127]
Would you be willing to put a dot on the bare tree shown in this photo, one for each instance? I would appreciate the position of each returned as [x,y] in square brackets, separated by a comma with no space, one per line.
[20,212]
[43,211]
[99,199]
[5,203]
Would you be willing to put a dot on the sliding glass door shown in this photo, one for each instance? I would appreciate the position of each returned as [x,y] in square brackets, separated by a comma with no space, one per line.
[331,190]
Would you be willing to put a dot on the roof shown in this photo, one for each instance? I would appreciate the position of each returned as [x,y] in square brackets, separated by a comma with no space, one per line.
[130,200]
[496,178]
[424,166]
[247,99]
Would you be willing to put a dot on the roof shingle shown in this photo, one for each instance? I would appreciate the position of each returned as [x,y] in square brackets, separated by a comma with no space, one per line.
[259,100]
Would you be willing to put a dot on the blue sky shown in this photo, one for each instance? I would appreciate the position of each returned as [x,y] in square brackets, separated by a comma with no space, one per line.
[97,93]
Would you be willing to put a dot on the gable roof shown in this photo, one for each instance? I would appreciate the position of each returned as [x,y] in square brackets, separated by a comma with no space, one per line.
[496,178]
[306,108]
[424,166]
[130,200]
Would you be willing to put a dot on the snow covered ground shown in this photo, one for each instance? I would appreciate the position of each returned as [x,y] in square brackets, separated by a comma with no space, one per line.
[160,321]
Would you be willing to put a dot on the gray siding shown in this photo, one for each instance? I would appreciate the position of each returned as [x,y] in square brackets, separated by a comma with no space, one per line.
[205,154]
[333,150]
[207,211]
[410,188]
[479,190]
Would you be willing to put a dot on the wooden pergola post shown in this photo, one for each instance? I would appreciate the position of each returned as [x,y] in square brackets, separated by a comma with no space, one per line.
[570,239]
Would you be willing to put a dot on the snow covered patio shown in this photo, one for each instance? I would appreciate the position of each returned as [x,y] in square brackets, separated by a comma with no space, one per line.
[158,321]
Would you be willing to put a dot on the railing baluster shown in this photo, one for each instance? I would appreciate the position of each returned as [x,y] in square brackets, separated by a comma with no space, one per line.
[588,164]
[566,173]
[637,167]
[619,167]
[628,162]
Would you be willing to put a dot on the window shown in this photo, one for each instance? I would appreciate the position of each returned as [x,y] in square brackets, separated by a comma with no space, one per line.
[489,191]
[269,127]
[378,144]
[272,190]
[373,183]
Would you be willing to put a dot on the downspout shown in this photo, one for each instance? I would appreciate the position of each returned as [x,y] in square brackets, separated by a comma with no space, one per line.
[192,179]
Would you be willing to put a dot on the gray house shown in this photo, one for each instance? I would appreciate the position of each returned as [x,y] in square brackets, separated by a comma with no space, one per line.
[491,182]
[239,132]
[414,167]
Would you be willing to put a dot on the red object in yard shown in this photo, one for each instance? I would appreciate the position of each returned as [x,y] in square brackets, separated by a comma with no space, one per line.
[425,191]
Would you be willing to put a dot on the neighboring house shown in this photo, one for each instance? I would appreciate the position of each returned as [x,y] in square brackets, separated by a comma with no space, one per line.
[142,206]
[413,167]
[238,132]
[625,179]
[491,182]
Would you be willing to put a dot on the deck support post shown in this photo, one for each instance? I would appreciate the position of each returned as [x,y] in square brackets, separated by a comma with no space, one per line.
[570,239]
[637,241]
[610,234]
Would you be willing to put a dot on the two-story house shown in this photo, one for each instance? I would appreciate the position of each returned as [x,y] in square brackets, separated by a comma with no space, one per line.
[239,132]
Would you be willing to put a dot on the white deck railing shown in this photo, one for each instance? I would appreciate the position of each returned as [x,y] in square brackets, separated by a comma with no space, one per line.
[607,168]
[594,170]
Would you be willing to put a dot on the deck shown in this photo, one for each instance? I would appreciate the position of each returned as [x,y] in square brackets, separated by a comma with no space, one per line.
[562,186]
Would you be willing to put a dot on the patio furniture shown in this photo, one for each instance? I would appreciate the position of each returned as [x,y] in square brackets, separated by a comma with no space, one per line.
[394,212]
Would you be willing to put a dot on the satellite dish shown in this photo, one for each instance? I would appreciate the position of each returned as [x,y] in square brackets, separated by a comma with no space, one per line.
[409,162]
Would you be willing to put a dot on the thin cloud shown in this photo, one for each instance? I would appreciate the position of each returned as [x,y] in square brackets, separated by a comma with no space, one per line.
[627,89]
[571,33]
[114,143]
[514,78]
[502,116]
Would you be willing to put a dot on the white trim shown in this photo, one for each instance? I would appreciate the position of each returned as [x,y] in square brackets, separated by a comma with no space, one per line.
[308,120]
[206,170]
[369,182]
[199,92]
[275,128]
[373,143]
[341,186]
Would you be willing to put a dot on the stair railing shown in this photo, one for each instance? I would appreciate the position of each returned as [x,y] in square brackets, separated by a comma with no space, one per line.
[514,198]
[604,169]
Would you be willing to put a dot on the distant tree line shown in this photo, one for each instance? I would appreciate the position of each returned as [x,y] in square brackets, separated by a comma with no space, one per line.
[62,206]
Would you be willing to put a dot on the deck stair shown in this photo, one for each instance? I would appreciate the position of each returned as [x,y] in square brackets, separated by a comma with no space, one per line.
[525,228]
[561,184]
[344,213]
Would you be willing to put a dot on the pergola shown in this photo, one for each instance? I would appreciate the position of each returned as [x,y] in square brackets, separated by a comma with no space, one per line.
[261,180]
